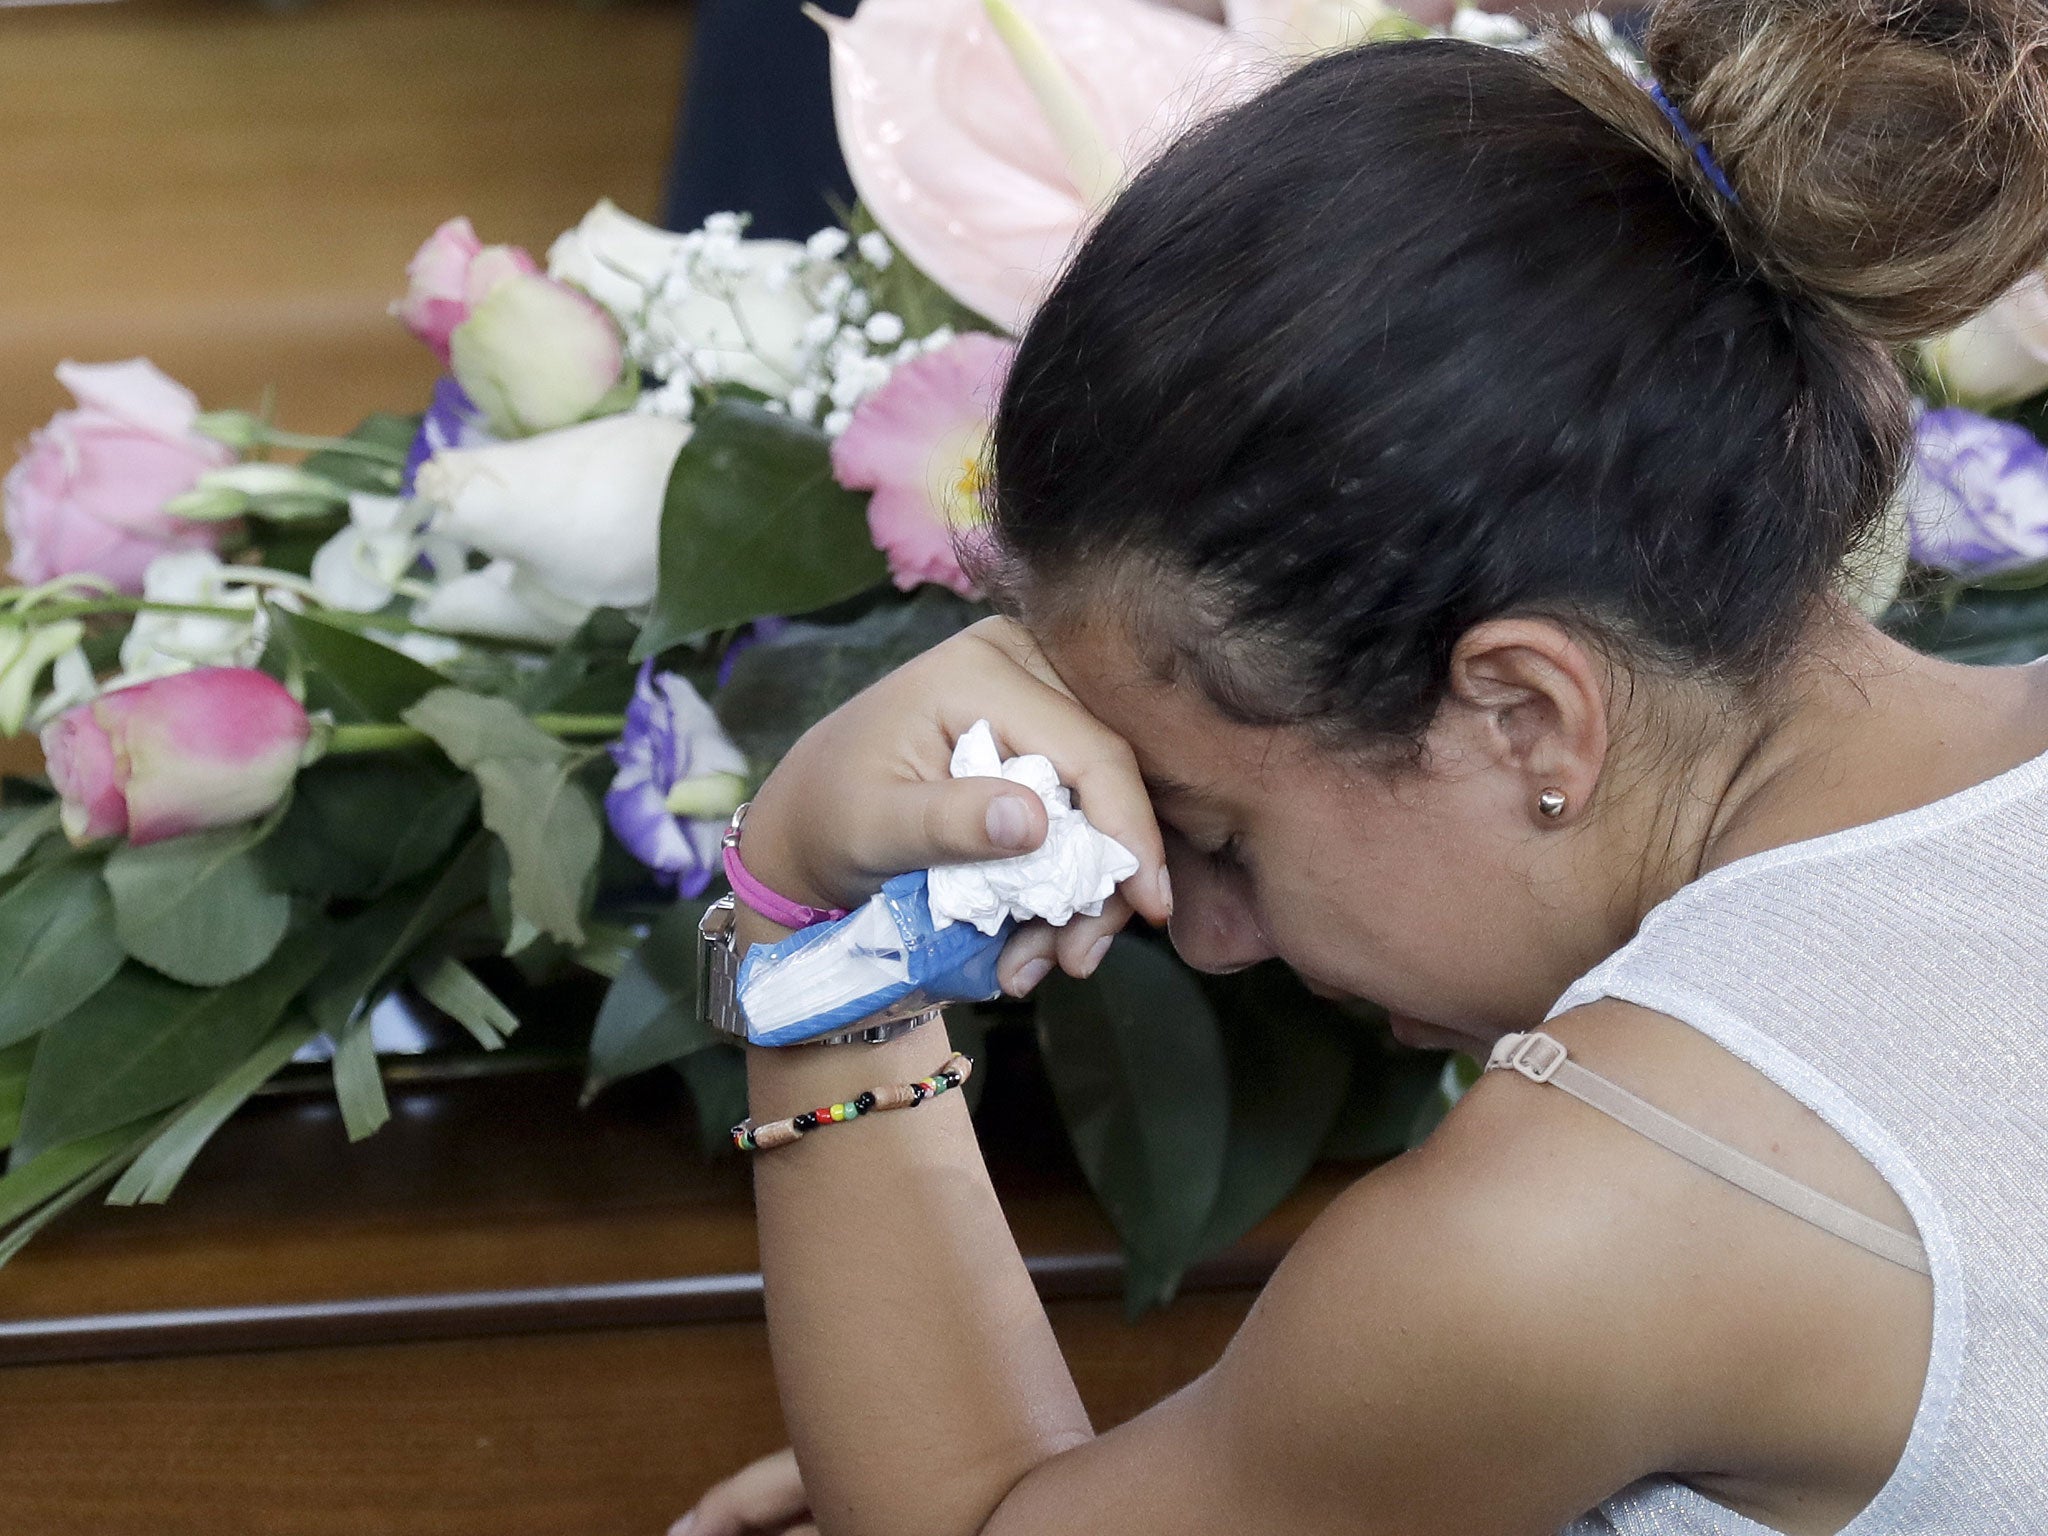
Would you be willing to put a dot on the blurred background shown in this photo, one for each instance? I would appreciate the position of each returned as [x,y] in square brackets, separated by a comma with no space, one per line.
[233,189]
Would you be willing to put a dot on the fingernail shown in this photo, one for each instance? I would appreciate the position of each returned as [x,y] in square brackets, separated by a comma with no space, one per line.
[1095,953]
[1165,890]
[1029,975]
[1009,824]
[684,1526]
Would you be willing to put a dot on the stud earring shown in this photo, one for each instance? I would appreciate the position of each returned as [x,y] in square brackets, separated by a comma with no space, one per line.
[1551,803]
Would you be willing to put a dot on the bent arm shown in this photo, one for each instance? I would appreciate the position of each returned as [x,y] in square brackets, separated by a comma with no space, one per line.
[1424,1362]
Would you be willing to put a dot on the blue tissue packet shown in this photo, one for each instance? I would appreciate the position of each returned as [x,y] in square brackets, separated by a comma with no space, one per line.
[885,956]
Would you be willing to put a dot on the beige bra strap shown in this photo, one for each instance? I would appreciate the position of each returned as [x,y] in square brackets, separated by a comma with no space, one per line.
[1543,1059]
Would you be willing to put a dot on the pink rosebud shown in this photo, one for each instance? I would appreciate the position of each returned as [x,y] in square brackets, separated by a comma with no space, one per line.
[88,496]
[920,443]
[180,754]
[449,276]
[536,354]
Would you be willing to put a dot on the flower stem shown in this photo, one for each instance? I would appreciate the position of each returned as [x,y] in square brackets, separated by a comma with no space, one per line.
[347,740]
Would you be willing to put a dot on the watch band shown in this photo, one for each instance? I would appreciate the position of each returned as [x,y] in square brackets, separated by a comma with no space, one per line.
[718,1003]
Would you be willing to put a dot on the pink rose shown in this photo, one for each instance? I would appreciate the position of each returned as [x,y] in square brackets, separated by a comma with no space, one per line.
[449,276]
[88,496]
[180,754]
[919,443]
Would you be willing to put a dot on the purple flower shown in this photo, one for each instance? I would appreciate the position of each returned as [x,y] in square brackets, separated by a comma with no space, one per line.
[452,421]
[679,779]
[1977,494]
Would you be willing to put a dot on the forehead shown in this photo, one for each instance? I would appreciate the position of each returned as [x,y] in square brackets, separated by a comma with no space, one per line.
[1186,748]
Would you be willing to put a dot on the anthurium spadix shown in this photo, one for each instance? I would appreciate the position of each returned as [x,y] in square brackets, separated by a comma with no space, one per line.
[984,135]
[1094,168]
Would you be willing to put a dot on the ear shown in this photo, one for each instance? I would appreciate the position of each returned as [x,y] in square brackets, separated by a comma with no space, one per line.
[1533,701]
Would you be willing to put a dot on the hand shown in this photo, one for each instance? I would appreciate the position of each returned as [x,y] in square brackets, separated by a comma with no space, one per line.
[866,794]
[766,1498]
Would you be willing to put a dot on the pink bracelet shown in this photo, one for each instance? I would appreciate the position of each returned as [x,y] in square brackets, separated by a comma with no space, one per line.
[779,910]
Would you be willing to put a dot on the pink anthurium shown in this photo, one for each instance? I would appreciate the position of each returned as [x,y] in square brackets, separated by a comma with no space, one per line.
[979,131]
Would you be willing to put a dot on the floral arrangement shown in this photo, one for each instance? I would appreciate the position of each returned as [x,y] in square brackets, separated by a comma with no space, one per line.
[463,700]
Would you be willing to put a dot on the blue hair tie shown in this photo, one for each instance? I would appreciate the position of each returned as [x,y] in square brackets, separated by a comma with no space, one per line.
[1693,142]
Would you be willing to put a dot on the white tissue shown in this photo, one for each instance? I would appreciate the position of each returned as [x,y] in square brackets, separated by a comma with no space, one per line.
[1073,871]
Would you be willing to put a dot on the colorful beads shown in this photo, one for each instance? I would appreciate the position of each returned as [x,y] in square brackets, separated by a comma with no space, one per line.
[749,1137]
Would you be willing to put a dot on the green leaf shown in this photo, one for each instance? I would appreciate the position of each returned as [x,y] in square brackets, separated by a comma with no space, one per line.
[453,988]
[378,942]
[14,1066]
[199,908]
[754,524]
[1390,1087]
[22,827]
[67,1168]
[1290,1064]
[94,1175]
[359,826]
[142,1043]
[781,688]
[650,1010]
[350,675]
[1981,626]
[57,945]
[357,473]
[649,1015]
[358,1085]
[716,1076]
[156,1171]
[547,821]
[1137,1066]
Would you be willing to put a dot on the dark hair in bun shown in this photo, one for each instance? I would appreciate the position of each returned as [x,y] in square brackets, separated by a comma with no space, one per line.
[1429,333]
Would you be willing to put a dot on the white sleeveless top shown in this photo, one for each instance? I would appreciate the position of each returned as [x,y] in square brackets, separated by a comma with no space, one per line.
[1894,978]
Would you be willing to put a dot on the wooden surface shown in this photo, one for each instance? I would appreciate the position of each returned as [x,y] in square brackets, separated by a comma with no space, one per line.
[570,1426]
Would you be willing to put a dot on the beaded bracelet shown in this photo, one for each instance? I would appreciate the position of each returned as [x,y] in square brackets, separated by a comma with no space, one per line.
[749,1137]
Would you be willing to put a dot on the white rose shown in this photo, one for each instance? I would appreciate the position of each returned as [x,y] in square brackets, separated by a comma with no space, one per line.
[1997,357]
[499,603]
[159,644]
[578,511]
[733,311]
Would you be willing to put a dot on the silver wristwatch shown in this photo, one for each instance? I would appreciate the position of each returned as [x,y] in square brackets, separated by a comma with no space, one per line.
[718,1003]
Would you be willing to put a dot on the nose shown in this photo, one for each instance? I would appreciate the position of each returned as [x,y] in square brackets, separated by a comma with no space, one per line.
[1213,932]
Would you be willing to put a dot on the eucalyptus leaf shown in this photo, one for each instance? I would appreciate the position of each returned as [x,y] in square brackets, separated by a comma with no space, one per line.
[754,524]
[1290,1065]
[649,1014]
[1979,626]
[142,1043]
[22,828]
[546,819]
[716,1076]
[15,1061]
[1391,1087]
[199,908]
[157,1169]
[394,434]
[57,945]
[1137,1066]
[353,677]
[377,943]
[780,688]
[360,825]
[453,988]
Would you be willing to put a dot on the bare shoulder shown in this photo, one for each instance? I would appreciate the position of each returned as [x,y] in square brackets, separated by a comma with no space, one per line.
[1490,1335]
[1798,1358]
